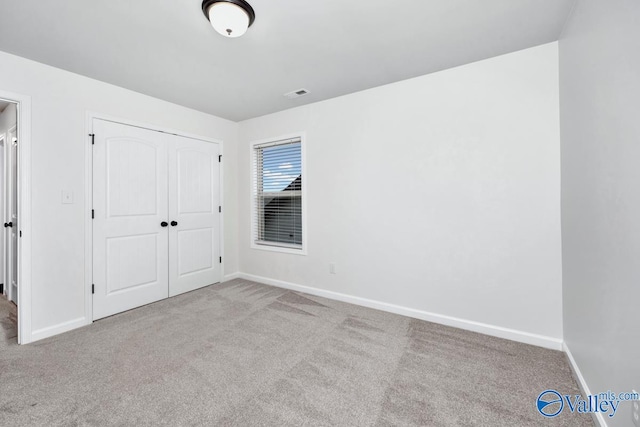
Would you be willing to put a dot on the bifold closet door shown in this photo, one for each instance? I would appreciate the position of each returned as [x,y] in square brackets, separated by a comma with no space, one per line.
[194,200]
[130,201]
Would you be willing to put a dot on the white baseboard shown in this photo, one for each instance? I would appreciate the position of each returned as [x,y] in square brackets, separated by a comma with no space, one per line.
[483,328]
[584,387]
[50,331]
[231,276]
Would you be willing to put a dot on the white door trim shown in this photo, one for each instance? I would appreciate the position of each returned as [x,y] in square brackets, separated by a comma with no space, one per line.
[3,191]
[88,190]
[9,208]
[24,213]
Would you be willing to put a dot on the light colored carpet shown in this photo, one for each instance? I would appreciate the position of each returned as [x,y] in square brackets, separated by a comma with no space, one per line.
[246,354]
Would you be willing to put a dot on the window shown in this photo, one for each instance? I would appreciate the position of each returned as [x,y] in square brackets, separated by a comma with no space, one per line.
[278,196]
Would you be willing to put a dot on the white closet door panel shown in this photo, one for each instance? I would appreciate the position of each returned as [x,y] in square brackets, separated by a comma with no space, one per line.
[196,250]
[195,177]
[194,198]
[130,199]
[132,161]
[131,262]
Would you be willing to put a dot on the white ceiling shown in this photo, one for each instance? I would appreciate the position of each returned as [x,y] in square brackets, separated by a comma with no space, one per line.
[167,48]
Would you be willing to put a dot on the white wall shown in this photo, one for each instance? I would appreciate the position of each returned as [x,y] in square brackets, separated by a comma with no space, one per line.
[439,194]
[60,101]
[600,99]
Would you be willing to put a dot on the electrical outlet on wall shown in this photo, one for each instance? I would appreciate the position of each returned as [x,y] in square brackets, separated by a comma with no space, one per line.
[635,408]
[67,197]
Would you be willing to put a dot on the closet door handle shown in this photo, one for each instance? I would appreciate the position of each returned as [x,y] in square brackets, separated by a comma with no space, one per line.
[163,224]
[8,224]
[174,223]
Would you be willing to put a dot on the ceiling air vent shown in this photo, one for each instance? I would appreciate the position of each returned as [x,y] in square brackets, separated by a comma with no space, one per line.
[296,93]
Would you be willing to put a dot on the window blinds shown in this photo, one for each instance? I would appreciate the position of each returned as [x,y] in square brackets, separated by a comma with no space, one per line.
[278,194]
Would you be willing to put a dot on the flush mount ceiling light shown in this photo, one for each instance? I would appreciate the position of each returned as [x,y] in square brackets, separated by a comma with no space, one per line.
[231,18]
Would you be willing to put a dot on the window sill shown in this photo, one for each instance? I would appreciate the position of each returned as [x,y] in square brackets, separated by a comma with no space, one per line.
[281,249]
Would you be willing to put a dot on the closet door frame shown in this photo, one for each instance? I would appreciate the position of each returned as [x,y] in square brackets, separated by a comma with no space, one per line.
[88,193]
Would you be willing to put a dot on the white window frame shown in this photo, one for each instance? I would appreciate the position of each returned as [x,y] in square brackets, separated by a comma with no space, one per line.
[275,247]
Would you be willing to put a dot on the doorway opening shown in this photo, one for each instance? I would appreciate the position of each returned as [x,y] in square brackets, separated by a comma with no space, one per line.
[9,218]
